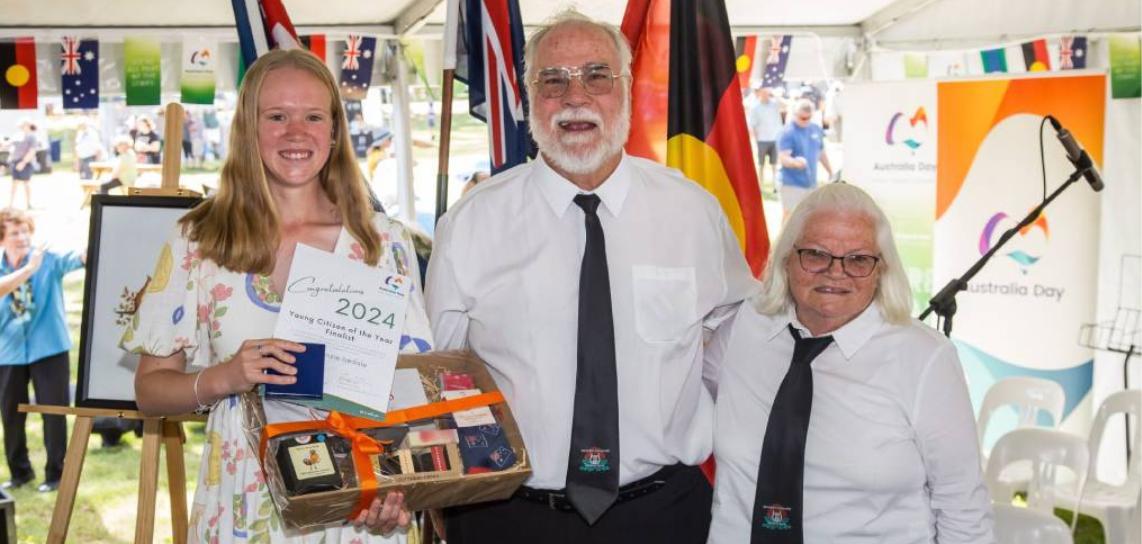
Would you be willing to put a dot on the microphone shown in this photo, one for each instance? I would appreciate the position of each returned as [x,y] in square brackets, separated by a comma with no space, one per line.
[1077,155]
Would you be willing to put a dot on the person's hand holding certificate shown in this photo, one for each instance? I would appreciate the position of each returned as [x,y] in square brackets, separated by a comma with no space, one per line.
[358,312]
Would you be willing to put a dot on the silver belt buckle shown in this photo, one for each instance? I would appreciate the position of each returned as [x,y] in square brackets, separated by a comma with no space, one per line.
[551,501]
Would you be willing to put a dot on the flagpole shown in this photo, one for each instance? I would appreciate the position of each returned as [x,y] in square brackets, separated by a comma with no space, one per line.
[451,36]
[445,140]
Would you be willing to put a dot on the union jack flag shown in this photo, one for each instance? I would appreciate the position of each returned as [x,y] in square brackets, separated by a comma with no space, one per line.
[79,73]
[775,49]
[70,57]
[1072,52]
[490,35]
[352,51]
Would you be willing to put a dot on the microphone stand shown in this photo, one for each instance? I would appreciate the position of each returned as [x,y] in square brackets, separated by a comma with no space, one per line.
[944,303]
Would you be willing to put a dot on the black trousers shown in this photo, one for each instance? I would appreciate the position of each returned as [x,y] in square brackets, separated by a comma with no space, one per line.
[49,377]
[105,188]
[678,513]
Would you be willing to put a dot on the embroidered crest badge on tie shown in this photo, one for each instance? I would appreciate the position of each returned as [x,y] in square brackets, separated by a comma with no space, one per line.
[776,518]
[595,460]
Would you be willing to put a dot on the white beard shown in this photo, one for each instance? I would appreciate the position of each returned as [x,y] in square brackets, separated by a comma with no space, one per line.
[577,153]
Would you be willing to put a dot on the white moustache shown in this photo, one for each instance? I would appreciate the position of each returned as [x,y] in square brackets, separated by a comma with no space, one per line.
[576,115]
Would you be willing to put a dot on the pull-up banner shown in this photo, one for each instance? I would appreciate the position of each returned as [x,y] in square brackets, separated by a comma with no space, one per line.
[1021,315]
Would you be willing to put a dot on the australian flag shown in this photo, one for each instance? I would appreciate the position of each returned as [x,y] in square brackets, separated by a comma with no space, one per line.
[490,35]
[776,60]
[1072,53]
[262,25]
[357,67]
[79,72]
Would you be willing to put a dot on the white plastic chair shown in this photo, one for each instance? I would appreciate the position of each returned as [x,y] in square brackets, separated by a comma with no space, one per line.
[1113,505]
[1014,525]
[1030,395]
[1046,449]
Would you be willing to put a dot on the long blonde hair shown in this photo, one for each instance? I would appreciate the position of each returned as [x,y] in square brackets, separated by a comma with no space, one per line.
[238,228]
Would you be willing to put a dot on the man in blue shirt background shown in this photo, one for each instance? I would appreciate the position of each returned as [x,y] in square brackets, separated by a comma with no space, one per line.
[801,145]
[34,345]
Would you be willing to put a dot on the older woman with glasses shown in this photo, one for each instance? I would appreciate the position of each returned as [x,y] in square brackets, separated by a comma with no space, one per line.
[840,418]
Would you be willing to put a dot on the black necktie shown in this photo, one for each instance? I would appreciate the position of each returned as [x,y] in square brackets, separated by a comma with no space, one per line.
[593,467]
[777,505]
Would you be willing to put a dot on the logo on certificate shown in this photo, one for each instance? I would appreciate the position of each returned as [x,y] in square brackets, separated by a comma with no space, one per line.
[776,518]
[393,284]
[595,460]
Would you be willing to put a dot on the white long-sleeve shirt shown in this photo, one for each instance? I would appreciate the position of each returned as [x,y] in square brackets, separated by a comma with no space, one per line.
[891,455]
[504,280]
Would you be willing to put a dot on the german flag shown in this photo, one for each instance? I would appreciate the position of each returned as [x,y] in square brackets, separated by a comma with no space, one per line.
[706,136]
[18,75]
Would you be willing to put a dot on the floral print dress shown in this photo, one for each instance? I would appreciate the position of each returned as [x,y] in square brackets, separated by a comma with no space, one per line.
[194,305]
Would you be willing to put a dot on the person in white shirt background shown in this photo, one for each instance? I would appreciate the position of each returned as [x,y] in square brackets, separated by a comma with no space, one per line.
[88,147]
[891,453]
[504,281]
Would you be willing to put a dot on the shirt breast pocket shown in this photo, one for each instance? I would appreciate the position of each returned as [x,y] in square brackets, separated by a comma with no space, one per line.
[665,302]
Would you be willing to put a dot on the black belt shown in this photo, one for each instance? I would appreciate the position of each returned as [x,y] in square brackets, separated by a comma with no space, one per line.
[557,499]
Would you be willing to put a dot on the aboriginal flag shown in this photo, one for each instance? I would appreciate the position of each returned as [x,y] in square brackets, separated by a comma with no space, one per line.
[705,132]
[18,75]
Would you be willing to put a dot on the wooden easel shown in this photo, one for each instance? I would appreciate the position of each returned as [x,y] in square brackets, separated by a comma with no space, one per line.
[157,431]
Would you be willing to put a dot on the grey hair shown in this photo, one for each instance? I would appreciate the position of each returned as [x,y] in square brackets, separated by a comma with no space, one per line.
[570,16]
[804,104]
[893,293]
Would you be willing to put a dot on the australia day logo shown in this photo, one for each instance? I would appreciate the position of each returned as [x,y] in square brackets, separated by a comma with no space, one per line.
[393,284]
[911,132]
[1030,243]
[200,57]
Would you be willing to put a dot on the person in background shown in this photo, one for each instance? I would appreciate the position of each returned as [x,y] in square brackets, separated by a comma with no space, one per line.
[34,345]
[764,122]
[148,144]
[799,148]
[88,147]
[475,179]
[22,162]
[839,417]
[125,172]
[292,178]
[586,280]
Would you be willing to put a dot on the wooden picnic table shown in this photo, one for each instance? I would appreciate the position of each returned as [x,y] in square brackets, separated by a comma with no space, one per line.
[101,170]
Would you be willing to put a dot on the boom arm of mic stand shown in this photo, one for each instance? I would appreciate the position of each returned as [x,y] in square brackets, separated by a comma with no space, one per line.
[944,303]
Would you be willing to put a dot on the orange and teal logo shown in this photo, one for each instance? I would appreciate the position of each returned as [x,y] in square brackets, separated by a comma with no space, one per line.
[911,132]
[1030,244]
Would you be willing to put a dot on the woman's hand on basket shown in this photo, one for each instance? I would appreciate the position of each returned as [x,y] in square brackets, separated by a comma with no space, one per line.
[385,516]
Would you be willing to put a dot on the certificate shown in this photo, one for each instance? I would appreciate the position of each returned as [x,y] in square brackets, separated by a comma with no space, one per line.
[358,312]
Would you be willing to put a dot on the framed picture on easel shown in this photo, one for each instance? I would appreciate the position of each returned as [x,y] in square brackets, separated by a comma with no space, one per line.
[127,233]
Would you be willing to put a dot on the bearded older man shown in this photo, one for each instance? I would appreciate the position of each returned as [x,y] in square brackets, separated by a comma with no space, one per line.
[580,275]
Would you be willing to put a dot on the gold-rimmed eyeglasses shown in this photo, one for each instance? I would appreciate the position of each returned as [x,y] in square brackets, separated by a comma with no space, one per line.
[855,265]
[553,82]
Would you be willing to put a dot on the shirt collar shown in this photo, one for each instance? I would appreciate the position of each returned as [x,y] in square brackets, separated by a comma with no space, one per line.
[849,338]
[560,193]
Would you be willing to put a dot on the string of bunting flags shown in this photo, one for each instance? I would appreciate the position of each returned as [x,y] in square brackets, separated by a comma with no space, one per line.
[143,72]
